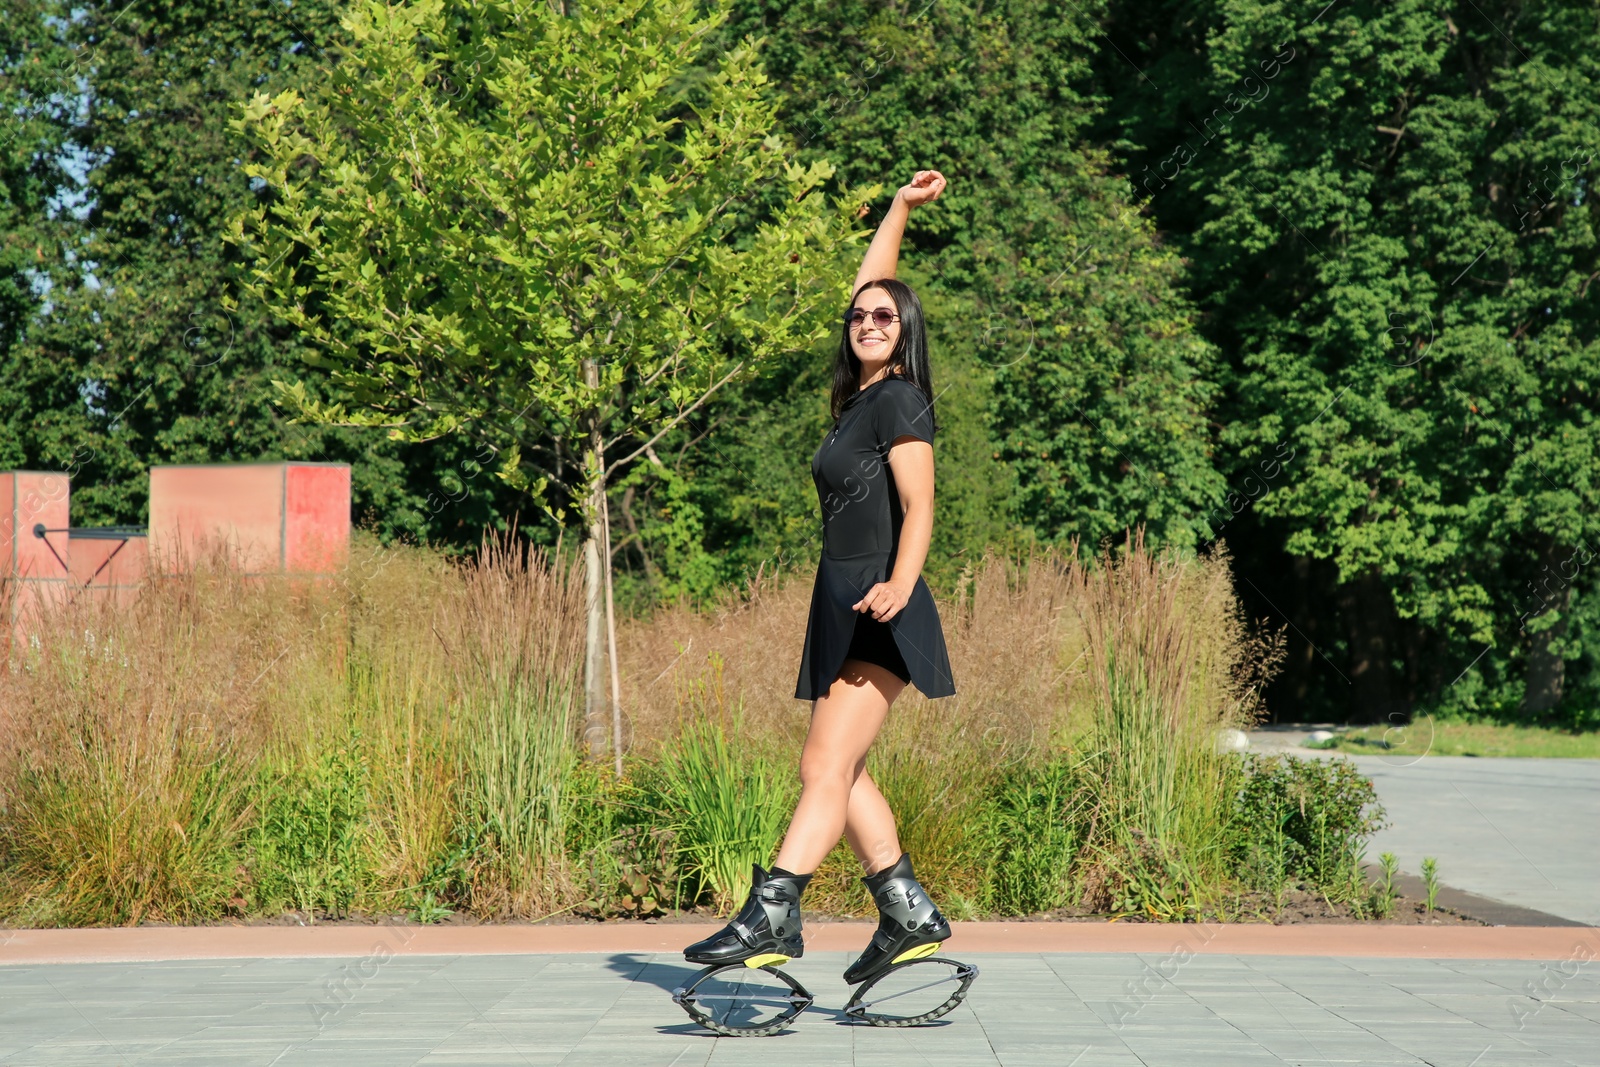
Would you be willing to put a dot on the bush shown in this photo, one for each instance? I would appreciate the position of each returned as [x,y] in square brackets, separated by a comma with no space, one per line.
[1033,824]
[629,857]
[1305,819]
[309,848]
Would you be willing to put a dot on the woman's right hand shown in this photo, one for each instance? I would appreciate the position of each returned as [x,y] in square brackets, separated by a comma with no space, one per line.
[925,188]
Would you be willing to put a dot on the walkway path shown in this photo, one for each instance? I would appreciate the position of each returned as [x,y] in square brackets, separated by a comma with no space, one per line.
[1521,831]
[1043,1010]
[1524,831]
[1189,1005]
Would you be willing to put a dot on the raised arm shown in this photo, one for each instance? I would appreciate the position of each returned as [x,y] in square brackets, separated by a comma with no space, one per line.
[883,255]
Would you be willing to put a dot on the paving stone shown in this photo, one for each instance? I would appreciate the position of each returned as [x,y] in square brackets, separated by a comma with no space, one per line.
[1501,828]
[593,1010]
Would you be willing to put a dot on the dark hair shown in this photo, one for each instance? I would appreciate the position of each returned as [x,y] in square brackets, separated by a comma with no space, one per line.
[910,353]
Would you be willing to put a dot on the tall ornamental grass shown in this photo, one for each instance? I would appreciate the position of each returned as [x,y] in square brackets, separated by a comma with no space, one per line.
[1163,791]
[128,741]
[384,739]
[402,737]
[514,641]
[727,806]
[1077,761]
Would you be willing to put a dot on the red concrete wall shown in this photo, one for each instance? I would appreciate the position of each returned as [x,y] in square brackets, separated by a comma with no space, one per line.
[317,521]
[33,576]
[263,518]
[266,517]
[108,568]
[235,509]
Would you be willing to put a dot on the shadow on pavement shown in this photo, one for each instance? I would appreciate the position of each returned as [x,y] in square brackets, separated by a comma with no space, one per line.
[667,977]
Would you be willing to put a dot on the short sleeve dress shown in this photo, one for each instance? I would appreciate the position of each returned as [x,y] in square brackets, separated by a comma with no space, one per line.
[861,519]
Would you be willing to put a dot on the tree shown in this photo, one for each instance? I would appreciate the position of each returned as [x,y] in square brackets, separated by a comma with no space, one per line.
[1388,210]
[131,178]
[537,229]
[38,102]
[1066,363]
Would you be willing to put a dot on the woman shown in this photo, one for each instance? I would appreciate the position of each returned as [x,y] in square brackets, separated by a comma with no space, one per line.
[873,627]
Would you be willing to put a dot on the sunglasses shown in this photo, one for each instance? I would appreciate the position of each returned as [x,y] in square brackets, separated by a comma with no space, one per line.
[881,318]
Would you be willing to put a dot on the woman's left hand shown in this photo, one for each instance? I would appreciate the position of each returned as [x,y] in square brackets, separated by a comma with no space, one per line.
[883,601]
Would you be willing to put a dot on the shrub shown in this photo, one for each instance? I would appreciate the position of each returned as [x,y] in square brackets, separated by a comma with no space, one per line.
[309,848]
[1034,826]
[630,859]
[1305,819]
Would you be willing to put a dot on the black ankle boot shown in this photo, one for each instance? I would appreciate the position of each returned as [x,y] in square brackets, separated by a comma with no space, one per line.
[767,928]
[909,926]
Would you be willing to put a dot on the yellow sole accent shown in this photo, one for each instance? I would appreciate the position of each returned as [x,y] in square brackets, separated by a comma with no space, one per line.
[767,959]
[917,953]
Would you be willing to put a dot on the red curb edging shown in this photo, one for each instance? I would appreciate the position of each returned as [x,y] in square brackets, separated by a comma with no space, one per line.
[149,944]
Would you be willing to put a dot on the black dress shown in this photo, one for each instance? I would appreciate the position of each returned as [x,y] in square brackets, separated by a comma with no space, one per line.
[861,519]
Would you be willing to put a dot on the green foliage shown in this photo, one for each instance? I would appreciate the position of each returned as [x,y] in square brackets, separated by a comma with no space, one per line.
[515,223]
[649,880]
[1034,828]
[1294,821]
[1395,244]
[1033,238]
[1304,819]
[727,804]
[1381,211]
[309,847]
[670,535]
[1383,891]
[454,875]
[1267,856]
[1430,878]
[1154,879]
[34,117]
[137,354]
[1162,791]
[629,859]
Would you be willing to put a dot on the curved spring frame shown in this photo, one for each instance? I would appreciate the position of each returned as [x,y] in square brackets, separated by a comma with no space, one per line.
[799,998]
[797,1001]
[963,974]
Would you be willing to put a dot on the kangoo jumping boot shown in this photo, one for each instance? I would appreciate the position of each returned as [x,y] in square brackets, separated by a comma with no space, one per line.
[909,926]
[767,928]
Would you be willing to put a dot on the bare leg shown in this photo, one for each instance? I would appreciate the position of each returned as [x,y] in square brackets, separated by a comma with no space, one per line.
[869,826]
[843,726]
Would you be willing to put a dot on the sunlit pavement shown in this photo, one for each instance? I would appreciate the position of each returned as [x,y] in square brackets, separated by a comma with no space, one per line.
[1060,1010]
[1523,831]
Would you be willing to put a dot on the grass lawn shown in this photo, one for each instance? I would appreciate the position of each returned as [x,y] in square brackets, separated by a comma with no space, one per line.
[1437,738]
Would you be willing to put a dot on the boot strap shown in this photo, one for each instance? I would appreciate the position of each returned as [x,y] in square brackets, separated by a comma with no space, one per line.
[744,933]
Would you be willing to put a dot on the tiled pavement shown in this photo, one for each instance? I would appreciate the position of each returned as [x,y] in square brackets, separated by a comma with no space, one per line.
[1523,831]
[1057,1010]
